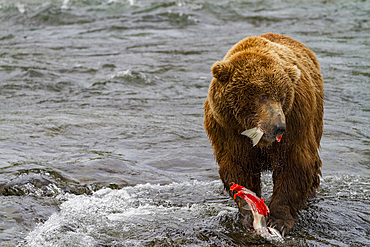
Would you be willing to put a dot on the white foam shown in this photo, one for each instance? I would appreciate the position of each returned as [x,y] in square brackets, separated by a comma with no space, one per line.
[123,215]
[122,74]
[65,4]
[21,8]
[131,76]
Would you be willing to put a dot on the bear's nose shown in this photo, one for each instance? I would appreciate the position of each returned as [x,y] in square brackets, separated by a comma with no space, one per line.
[279,129]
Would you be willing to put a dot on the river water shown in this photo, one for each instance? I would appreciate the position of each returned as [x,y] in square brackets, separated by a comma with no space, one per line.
[101,111]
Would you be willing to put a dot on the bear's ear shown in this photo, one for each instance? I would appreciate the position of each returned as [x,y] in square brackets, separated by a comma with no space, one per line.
[293,72]
[221,71]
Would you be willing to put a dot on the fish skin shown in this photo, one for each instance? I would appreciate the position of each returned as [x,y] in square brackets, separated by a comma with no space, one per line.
[278,139]
[255,134]
[260,211]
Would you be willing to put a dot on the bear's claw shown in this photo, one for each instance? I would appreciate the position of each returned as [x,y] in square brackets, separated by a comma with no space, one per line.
[282,225]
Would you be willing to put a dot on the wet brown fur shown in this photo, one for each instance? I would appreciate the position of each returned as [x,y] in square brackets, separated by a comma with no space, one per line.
[289,74]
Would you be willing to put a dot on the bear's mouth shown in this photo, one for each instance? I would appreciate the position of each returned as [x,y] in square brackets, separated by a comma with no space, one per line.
[256,134]
[268,137]
[271,138]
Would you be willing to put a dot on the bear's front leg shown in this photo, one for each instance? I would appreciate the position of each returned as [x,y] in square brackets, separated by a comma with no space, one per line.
[246,175]
[282,217]
[293,183]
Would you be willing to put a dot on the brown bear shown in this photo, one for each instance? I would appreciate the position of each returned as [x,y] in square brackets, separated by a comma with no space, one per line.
[271,82]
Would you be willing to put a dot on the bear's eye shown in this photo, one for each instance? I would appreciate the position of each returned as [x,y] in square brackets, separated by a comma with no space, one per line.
[263,97]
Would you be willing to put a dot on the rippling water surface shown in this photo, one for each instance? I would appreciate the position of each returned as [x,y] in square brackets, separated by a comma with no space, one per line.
[101,111]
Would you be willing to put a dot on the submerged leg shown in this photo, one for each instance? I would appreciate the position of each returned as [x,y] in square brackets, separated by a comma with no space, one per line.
[294,181]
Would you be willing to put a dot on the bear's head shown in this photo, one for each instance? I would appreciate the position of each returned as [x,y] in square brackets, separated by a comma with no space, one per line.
[253,90]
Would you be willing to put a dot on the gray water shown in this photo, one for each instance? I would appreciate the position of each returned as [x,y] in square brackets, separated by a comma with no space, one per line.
[101,111]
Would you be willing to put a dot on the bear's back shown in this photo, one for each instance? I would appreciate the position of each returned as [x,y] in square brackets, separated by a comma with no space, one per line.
[278,46]
[297,47]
